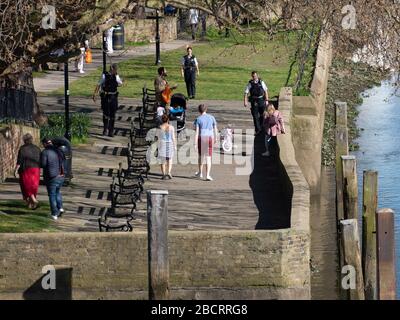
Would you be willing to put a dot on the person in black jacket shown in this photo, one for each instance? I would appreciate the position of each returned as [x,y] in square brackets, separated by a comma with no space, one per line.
[51,160]
[109,98]
[189,68]
[257,92]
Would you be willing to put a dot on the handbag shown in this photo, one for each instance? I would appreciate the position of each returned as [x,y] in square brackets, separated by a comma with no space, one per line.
[166,94]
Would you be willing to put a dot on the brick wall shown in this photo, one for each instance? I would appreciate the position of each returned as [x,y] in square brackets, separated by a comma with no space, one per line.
[203,265]
[9,146]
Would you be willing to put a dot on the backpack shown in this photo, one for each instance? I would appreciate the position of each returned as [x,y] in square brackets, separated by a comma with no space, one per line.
[256,89]
[110,83]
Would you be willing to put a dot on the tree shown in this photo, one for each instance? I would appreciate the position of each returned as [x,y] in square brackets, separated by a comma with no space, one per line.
[27,37]
[369,28]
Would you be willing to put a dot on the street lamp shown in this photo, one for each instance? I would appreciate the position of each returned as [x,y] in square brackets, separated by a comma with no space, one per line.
[157,18]
[66,101]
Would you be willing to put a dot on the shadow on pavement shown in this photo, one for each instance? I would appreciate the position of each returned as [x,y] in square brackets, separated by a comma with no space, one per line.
[271,187]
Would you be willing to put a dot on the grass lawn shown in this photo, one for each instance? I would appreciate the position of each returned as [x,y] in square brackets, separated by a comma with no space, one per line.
[38,74]
[15,217]
[225,68]
[136,44]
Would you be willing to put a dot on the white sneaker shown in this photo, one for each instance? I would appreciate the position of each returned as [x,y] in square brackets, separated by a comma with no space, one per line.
[54,217]
[209,178]
[198,175]
[62,210]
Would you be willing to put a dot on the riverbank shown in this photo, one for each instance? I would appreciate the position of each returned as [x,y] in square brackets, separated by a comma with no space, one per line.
[348,80]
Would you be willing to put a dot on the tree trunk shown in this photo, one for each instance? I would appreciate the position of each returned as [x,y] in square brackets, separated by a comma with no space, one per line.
[18,98]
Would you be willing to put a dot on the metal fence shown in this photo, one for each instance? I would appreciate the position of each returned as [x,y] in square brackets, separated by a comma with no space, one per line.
[16,103]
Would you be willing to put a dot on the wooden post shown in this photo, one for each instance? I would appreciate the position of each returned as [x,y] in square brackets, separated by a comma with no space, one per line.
[341,149]
[370,205]
[157,213]
[350,187]
[341,113]
[352,258]
[386,263]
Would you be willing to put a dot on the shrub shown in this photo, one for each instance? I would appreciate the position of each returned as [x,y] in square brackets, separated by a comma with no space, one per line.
[80,123]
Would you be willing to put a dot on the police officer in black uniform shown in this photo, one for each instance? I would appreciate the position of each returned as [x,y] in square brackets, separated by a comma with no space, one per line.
[109,98]
[189,68]
[257,93]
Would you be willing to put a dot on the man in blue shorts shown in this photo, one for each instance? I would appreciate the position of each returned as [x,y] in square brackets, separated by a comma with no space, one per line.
[206,135]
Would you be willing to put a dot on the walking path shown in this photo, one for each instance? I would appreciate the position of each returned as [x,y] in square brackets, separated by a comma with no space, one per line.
[53,80]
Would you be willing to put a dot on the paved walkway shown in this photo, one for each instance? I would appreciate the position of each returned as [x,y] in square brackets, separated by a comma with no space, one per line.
[54,80]
[226,203]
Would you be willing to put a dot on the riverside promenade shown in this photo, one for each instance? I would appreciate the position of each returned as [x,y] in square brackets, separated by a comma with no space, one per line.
[232,201]
[225,203]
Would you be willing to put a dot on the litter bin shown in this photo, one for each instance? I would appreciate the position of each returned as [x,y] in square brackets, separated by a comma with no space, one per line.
[118,37]
[64,146]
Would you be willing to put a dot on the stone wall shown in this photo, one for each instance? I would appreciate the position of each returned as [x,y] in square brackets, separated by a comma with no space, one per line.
[300,216]
[203,265]
[10,141]
[308,118]
[141,30]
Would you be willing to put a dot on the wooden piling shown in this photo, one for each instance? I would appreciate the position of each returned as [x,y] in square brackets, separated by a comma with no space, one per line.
[157,213]
[352,257]
[350,187]
[370,205]
[341,149]
[341,113]
[386,263]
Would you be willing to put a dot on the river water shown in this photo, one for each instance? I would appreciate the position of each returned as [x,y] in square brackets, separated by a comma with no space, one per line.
[380,150]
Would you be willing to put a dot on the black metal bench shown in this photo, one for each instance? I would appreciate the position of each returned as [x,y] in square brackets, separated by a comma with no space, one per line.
[122,211]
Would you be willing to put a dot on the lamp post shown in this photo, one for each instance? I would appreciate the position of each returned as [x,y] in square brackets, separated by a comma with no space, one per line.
[157,18]
[66,101]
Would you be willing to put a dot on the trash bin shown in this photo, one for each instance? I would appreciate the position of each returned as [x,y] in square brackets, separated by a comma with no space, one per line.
[118,37]
[64,146]
[169,10]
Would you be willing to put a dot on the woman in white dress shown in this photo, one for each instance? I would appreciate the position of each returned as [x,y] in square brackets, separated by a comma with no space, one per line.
[166,146]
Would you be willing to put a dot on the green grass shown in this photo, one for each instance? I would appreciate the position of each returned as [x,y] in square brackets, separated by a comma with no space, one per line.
[225,67]
[15,217]
[136,44]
